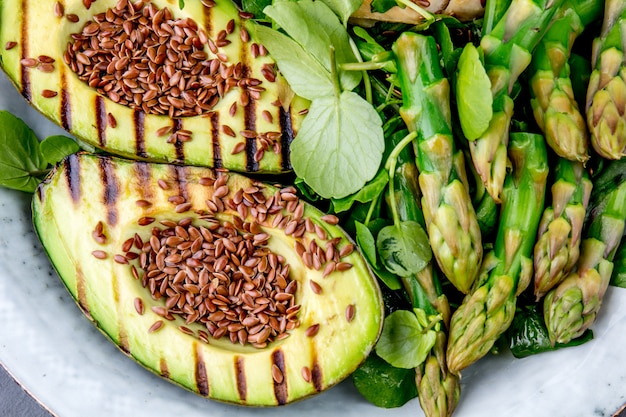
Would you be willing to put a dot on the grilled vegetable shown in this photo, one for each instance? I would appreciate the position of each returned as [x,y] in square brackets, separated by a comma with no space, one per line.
[487,311]
[572,307]
[557,248]
[212,102]
[176,268]
[450,217]
[552,96]
[438,389]
[606,107]
[507,51]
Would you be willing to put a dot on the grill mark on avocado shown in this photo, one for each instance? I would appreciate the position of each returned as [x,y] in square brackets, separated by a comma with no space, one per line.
[202,380]
[317,377]
[163,369]
[101,121]
[215,135]
[249,117]
[286,128]
[143,174]
[208,20]
[280,390]
[66,108]
[72,175]
[139,119]
[81,293]
[111,189]
[179,176]
[240,372]
[39,192]
[123,338]
[26,89]
[178,145]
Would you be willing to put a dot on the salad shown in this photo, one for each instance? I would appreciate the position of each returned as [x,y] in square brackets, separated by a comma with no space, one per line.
[481,177]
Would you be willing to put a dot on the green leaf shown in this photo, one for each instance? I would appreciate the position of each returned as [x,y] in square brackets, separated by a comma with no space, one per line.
[55,148]
[316,28]
[404,341]
[181,4]
[473,94]
[528,335]
[343,8]
[368,193]
[384,385]
[367,243]
[306,76]
[404,248]
[370,49]
[21,163]
[339,146]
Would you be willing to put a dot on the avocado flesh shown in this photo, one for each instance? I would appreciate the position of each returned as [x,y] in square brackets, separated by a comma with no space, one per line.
[86,189]
[36,31]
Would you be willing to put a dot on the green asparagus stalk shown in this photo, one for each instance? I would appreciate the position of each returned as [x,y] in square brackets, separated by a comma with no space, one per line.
[572,307]
[487,311]
[507,53]
[438,389]
[618,277]
[558,240]
[552,97]
[606,93]
[494,10]
[450,218]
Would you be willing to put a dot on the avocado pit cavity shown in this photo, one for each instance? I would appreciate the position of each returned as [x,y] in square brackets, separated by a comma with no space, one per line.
[143,57]
[217,275]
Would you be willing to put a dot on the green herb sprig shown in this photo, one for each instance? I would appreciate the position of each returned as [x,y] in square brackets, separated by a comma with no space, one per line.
[24,162]
[340,144]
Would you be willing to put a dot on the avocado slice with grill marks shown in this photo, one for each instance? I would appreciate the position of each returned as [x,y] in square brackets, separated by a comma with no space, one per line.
[227,286]
[150,81]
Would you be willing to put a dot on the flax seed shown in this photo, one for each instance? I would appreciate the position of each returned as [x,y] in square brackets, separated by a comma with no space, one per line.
[49,93]
[350,312]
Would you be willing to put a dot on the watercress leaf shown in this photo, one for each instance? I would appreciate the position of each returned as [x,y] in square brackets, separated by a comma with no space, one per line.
[367,243]
[314,26]
[384,385]
[366,240]
[339,146]
[404,342]
[473,93]
[21,163]
[55,148]
[368,193]
[343,8]
[306,76]
[404,248]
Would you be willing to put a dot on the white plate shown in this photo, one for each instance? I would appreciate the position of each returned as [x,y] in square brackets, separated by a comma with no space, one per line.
[55,352]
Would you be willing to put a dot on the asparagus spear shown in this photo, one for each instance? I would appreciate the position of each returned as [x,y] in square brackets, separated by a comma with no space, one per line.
[438,389]
[606,93]
[451,222]
[572,307]
[507,53]
[487,311]
[558,240]
[552,97]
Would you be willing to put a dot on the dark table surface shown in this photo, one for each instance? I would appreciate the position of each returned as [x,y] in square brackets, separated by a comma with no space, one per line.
[16,402]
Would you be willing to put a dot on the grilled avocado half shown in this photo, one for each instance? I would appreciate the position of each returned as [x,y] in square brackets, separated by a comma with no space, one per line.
[266,300]
[93,72]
